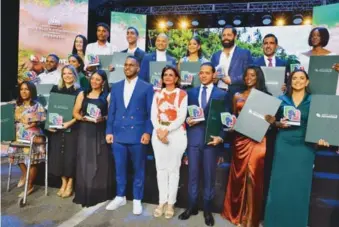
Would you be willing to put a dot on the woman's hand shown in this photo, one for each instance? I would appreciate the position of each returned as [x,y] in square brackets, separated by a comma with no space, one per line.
[323,143]
[30,125]
[282,123]
[270,119]
[336,67]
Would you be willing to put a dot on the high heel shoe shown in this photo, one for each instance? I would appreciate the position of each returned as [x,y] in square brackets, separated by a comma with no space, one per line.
[158,211]
[67,193]
[21,182]
[169,213]
[29,191]
[60,192]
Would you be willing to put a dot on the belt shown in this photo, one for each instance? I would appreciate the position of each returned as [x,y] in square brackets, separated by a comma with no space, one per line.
[166,123]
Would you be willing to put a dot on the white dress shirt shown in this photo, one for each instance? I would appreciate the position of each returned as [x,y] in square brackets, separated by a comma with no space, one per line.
[50,77]
[132,51]
[267,62]
[96,49]
[208,92]
[128,90]
[225,62]
[161,55]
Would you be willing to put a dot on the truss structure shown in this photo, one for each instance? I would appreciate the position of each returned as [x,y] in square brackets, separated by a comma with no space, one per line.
[250,7]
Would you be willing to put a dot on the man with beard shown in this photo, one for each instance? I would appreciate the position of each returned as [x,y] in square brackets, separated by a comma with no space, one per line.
[160,54]
[51,75]
[132,39]
[100,47]
[129,130]
[233,61]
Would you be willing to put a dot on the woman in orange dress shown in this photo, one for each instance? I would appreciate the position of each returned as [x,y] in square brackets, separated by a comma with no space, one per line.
[244,195]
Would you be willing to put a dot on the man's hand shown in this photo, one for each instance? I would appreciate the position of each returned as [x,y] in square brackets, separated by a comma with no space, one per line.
[227,79]
[215,140]
[145,138]
[191,122]
[111,68]
[109,138]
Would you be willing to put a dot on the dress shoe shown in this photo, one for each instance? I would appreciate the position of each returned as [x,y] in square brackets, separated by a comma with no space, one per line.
[209,220]
[187,213]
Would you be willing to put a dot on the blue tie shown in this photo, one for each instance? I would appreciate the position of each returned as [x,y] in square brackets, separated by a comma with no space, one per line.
[203,97]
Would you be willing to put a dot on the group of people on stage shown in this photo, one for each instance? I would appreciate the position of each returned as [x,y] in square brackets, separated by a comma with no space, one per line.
[133,116]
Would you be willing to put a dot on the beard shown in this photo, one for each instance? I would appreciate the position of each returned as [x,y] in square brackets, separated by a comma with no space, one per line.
[229,44]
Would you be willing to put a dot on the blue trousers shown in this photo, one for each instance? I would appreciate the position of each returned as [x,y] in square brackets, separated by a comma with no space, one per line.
[208,156]
[138,155]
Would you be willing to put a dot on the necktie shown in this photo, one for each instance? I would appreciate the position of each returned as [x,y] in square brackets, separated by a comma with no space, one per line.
[203,97]
[269,62]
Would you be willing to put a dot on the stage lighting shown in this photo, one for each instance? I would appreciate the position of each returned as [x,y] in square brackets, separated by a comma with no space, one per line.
[169,23]
[162,24]
[297,19]
[267,19]
[307,21]
[221,22]
[237,20]
[280,22]
[195,22]
[183,24]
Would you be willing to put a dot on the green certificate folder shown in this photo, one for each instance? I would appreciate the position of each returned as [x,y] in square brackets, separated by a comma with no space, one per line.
[251,120]
[43,91]
[118,61]
[192,68]
[323,79]
[274,79]
[155,70]
[59,105]
[213,123]
[7,122]
[323,119]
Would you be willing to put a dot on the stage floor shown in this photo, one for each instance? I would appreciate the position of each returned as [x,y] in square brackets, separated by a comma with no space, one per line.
[54,211]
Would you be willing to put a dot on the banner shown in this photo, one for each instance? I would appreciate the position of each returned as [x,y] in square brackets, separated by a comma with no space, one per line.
[119,24]
[48,26]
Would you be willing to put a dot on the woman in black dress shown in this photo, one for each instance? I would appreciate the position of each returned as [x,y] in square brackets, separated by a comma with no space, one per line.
[94,167]
[62,155]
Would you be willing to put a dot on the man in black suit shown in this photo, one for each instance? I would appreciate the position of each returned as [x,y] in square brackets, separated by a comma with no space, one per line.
[132,39]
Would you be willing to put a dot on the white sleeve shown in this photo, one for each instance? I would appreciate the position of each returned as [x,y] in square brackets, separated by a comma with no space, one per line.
[181,116]
[87,52]
[154,112]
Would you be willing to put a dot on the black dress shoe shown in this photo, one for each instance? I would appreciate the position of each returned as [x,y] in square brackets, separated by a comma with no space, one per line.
[187,213]
[209,220]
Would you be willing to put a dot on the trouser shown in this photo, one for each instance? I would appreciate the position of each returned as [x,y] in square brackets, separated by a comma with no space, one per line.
[138,156]
[207,155]
[168,160]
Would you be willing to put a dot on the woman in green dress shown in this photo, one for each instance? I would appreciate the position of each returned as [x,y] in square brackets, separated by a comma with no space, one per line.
[78,63]
[291,178]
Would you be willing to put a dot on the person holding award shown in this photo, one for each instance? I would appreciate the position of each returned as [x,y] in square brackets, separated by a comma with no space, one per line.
[79,46]
[231,62]
[28,115]
[129,130]
[63,144]
[78,64]
[194,52]
[161,44]
[132,36]
[244,194]
[94,165]
[291,180]
[199,151]
[169,140]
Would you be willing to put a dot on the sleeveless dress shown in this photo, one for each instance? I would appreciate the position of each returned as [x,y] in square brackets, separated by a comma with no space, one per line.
[247,165]
[63,145]
[291,178]
[94,167]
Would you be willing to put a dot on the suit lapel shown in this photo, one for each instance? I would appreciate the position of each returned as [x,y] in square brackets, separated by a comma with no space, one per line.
[121,92]
[154,56]
[233,60]
[263,62]
[134,94]
[211,96]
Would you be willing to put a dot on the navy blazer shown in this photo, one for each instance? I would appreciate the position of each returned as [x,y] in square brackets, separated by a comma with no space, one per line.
[196,133]
[128,124]
[240,60]
[144,69]
[261,62]
[139,54]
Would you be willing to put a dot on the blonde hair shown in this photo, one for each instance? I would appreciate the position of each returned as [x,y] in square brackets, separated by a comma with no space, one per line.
[75,75]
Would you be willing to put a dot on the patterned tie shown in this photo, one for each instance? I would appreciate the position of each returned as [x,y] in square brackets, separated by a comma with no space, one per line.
[269,62]
[204,97]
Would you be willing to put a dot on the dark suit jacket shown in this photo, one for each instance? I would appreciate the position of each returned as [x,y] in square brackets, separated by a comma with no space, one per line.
[196,133]
[128,124]
[144,69]
[139,54]
[240,60]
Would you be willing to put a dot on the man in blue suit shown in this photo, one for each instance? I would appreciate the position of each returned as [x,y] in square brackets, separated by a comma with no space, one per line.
[132,39]
[233,60]
[129,130]
[161,44]
[197,150]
